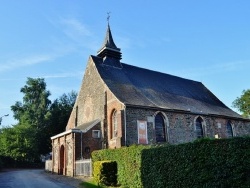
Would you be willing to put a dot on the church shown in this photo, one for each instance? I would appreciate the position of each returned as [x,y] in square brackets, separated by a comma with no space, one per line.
[120,104]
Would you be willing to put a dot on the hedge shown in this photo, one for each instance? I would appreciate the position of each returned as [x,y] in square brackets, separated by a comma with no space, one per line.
[105,173]
[204,163]
[128,163]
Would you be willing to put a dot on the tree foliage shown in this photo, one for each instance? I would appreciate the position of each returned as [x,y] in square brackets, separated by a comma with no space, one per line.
[60,111]
[242,103]
[18,143]
[34,111]
[35,104]
[38,120]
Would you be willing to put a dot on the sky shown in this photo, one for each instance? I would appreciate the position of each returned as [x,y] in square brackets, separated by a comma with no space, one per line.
[206,41]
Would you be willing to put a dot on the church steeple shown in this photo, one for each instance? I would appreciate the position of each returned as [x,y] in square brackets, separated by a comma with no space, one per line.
[109,48]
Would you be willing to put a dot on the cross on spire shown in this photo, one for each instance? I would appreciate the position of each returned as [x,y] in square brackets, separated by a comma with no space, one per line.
[108,17]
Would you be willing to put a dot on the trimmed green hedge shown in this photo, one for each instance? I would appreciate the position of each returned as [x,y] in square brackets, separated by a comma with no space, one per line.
[128,163]
[204,163]
[105,172]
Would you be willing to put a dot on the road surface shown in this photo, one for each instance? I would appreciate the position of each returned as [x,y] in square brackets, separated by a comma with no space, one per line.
[29,179]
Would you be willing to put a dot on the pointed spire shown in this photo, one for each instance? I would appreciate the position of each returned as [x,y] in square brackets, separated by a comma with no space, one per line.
[109,49]
[109,42]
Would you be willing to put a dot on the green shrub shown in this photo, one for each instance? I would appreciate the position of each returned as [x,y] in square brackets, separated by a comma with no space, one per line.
[203,163]
[105,172]
[128,163]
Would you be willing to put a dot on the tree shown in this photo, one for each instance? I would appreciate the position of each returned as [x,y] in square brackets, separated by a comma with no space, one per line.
[38,120]
[35,104]
[242,103]
[17,142]
[34,113]
[60,111]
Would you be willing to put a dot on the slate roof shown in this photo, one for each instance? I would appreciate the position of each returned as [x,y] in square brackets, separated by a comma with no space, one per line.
[109,48]
[108,41]
[146,88]
[86,126]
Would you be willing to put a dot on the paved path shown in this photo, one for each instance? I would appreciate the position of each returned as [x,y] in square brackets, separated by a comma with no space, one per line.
[29,179]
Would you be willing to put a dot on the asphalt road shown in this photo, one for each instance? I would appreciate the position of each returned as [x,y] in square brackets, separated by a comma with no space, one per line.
[29,179]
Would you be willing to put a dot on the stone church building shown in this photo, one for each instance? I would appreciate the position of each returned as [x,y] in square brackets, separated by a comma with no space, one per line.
[120,104]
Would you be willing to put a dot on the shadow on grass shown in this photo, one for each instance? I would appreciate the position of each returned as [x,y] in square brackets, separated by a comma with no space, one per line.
[91,184]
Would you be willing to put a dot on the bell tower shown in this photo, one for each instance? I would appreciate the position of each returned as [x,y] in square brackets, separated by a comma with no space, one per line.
[109,52]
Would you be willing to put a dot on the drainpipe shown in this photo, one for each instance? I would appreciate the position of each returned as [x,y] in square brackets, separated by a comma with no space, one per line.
[79,131]
[81,146]
[125,124]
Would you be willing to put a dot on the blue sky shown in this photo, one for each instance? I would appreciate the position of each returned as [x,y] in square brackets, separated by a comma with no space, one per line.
[206,41]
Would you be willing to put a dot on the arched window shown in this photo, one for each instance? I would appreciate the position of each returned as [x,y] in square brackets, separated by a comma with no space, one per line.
[114,124]
[160,128]
[229,130]
[199,128]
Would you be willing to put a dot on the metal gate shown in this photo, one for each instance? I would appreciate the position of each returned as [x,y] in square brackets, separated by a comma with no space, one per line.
[84,167]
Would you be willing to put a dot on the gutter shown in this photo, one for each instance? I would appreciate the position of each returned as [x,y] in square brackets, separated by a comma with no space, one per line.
[65,133]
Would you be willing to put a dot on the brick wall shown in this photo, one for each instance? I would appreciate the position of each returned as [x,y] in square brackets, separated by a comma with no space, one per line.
[89,143]
[62,155]
[114,104]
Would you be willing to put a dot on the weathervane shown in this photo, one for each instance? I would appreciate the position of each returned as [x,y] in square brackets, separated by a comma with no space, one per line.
[108,17]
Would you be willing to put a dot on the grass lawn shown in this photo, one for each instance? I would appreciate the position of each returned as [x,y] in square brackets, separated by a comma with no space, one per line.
[92,184]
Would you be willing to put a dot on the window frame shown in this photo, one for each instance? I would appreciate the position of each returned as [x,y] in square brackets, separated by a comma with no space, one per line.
[157,128]
[201,132]
[94,133]
[114,124]
[229,129]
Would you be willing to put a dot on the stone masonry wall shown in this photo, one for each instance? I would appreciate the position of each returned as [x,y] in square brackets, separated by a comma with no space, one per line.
[96,101]
[180,126]
[90,101]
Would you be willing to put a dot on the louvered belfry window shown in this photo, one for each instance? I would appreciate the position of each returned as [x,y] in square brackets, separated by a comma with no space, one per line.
[160,129]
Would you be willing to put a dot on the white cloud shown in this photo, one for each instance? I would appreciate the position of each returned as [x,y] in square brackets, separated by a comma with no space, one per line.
[26,61]
[75,27]
[55,52]
[64,75]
